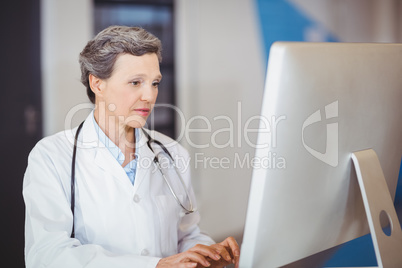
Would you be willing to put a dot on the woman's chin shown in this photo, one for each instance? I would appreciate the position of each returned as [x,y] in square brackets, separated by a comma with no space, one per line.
[136,122]
[136,125]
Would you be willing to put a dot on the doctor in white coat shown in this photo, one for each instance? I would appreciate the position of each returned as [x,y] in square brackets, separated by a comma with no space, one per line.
[120,211]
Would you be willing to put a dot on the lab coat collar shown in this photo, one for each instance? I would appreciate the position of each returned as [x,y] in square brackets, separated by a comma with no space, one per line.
[88,138]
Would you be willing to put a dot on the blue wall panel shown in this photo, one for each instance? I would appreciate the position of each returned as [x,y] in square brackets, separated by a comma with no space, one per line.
[281,21]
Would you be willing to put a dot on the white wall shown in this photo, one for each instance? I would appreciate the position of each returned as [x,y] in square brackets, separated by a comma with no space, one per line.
[220,65]
[66,27]
[357,20]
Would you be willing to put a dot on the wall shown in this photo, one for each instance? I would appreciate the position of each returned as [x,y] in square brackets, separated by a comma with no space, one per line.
[220,72]
[358,20]
[66,27]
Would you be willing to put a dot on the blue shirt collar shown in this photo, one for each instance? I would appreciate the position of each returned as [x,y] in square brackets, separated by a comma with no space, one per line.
[113,148]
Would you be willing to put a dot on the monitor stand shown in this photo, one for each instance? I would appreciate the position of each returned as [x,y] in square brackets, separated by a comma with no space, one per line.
[378,204]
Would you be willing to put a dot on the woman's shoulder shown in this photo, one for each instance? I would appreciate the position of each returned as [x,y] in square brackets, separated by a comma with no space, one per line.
[58,143]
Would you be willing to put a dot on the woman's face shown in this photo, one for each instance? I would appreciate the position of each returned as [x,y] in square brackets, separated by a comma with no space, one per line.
[130,93]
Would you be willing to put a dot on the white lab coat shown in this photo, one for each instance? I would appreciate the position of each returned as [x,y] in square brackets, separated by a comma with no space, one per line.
[116,224]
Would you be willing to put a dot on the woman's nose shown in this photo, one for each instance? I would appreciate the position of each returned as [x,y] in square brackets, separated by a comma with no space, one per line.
[148,93]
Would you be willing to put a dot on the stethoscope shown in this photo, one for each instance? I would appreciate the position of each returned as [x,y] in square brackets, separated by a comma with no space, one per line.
[156,162]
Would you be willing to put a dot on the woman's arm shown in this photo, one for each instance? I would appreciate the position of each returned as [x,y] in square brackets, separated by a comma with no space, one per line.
[49,220]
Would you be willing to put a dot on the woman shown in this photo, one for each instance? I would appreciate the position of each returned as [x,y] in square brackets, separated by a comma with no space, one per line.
[118,212]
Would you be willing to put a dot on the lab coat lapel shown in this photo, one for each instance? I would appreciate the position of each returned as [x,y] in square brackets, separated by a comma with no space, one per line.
[105,161]
[101,156]
[145,165]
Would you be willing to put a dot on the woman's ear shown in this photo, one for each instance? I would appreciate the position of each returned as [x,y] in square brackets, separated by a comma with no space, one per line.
[96,85]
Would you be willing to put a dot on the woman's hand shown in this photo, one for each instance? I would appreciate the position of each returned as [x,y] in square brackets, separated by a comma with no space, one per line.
[229,250]
[196,255]
[214,256]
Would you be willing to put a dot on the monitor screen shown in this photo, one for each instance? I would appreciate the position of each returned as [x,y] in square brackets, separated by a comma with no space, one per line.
[322,102]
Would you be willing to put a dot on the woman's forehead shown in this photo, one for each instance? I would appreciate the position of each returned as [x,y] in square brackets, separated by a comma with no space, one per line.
[147,64]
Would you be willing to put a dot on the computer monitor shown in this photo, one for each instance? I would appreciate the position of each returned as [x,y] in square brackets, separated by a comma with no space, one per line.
[322,102]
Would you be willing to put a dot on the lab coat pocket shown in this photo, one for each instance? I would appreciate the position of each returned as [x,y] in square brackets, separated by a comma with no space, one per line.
[169,213]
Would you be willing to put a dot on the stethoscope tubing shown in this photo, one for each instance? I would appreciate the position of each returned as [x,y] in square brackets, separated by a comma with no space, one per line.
[156,161]
[73,176]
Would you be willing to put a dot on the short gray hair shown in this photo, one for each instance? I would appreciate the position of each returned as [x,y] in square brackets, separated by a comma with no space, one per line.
[100,54]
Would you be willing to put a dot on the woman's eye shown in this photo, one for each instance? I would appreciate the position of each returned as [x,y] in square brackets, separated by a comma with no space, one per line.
[135,83]
[155,84]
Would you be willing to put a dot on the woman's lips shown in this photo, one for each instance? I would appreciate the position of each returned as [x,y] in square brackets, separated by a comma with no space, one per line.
[142,111]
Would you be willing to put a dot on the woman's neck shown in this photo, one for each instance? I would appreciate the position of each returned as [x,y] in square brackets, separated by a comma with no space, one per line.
[119,133]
